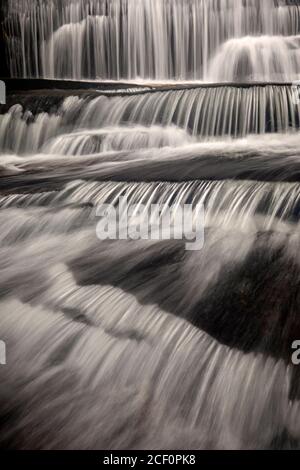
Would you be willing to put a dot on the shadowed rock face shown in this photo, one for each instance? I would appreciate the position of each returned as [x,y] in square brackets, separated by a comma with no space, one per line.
[255,305]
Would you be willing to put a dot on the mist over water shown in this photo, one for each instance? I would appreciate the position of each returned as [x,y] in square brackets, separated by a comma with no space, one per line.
[134,344]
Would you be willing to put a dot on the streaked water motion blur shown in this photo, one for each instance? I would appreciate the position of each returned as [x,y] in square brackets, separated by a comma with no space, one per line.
[141,344]
[154,39]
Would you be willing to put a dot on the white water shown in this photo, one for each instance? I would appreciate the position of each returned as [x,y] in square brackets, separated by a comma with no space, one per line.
[152,39]
[134,378]
[200,112]
[94,329]
[256,58]
[140,344]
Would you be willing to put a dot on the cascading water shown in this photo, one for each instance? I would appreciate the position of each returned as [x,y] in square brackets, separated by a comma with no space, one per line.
[202,112]
[154,39]
[257,58]
[141,343]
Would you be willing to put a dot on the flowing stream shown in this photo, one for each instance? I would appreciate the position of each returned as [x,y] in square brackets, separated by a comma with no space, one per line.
[133,344]
[210,40]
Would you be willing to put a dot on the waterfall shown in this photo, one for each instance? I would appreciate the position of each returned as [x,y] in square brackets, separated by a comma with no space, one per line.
[141,343]
[153,39]
[201,112]
[65,283]
[259,58]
